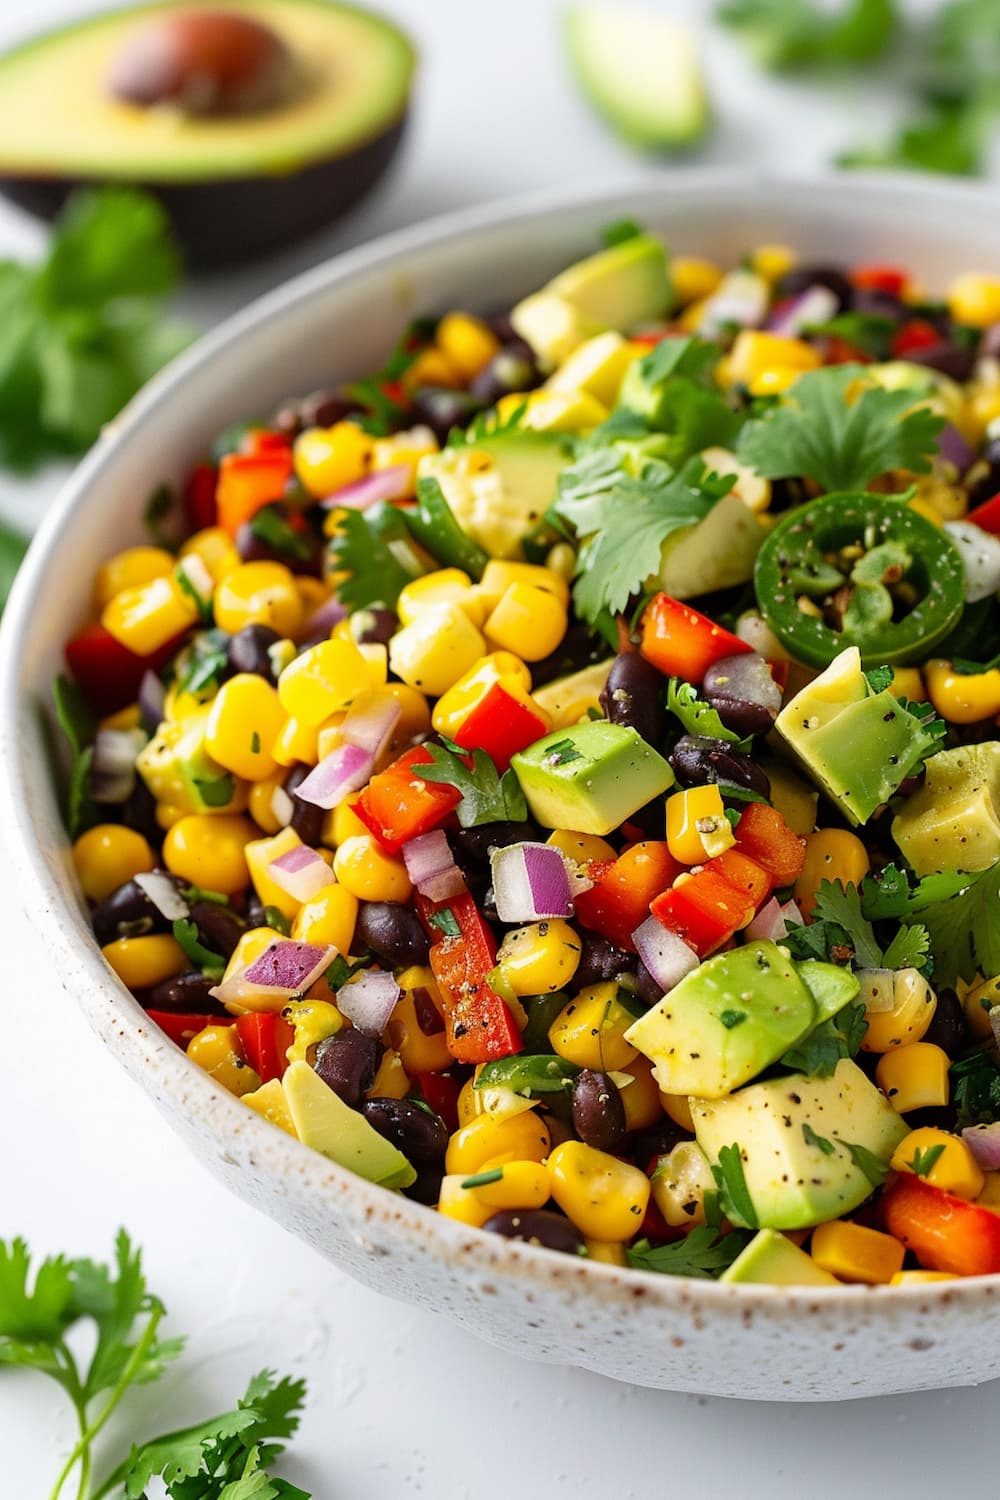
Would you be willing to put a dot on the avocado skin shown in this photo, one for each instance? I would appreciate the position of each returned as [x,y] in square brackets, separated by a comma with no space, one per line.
[230,220]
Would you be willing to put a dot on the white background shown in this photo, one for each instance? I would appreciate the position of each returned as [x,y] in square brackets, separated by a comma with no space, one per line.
[401,1403]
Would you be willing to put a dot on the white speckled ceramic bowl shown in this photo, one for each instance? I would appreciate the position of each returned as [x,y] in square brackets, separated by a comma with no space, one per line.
[792,1344]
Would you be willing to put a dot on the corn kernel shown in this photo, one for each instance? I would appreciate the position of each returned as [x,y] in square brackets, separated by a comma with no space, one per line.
[914,1077]
[207,849]
[522,1184]
[146,617]
[963,699]
[693,818]
[261,803]
[693,278]
[343,823]
[581,847]
[920,1278]
[416,1027]
[404,450]
[568,700]
[130,569]
[296,743]
[108,855]
[590,1030]
[852,1252]
[774,380]
[368,873]
[243,724]
[415,716]
[467,342]
[453,707]
[328,458]
[141,962]
[258,593]
[640,1098]
[499,574]
[216,549]
[607,1254]
[754,352]
[912,1011]
[974,299]
[521,1137]
[457,1202]
[990,1195]
[540,957]
[259,855]
[312,1021]
[831,854]
[772,262]
[328,919]
[432,367]
[440,646]
[605,1198]
[954,1169]
[323,680]
[528,621]
[217,1050]
[678,1107]
[444,586]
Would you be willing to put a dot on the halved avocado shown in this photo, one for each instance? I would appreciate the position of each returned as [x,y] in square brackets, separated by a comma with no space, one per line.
[250,139]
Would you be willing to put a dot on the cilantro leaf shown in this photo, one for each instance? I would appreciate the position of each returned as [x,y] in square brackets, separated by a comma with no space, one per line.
[702,1254]
[36,1316]
[623,522]
[78,723]
[965,928]
[976,1089]
[940,137]
[817,433]
[923,1161]
[202,666]
[374,573]
[798,34]
[212,965]
[818,1054]
[698,717]
[487,797]
[734,1195]
[819,1141]
[909,949]
[842,905]
[866,331]
[888,893]
[678,402]
[873,1167]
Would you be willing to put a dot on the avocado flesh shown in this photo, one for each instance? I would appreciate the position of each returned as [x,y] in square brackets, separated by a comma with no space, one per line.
[772,1260]
[718,552]
[590,777]
[323,1121]
[794,1182]
[953,821]
[500,487]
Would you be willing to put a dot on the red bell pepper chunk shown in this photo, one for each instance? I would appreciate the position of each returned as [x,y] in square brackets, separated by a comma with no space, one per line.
[683,643]
[258,440]
[181,1026]
[704,909]
[398,805]
[501,725]
[479,1024]
[107,672]
[987,515]
[838,351]
[266,1038]
[619,900]
[745,874]
[441,1091]
[915,334]
[876,278]
[199,497]
[248,481]
[945,1233]
[763,835]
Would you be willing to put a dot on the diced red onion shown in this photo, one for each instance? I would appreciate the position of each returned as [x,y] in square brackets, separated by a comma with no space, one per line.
[769,922]
[387,484]
[741,297]
[369,1000]
[754,629]
[878,989]
[667,956]
[955,449]
[530,881]
[301,872]
[984,1143]
[161,890]
[329,614]
[370,722]
[431,866]
[817,304]
[282,806]
[744,678]
[980,552]
[152,695]
[793,917]
[284,969]
[112,769]
[346,769]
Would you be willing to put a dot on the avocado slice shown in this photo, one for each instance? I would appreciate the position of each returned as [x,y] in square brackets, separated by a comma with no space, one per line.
[795,1136]
[953,821]
[323,1121]
[772,1260]
[500,487]
[641,72]
[717,552]
[590,777]
[252,175]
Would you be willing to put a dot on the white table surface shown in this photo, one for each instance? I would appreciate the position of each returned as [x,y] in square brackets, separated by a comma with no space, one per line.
[401,1403]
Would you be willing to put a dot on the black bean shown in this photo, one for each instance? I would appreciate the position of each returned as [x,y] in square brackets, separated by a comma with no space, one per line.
[598,1111]
[127,912]
[185,993]
[348,1063]
[392,932]
[877,304]
[633,696]
[948,1029]
[801,278]
[475,843]
[307,818]
[375,626]
[218,928]
[579,648]
[323,408]
[934,1117]
[248,648]
[657,1140]
[139,812]
[600,961]
[698,761]
[422,1137]
[950,359]
[512,369]
[427,1187]
[646,987]
[441,408]
[537,1226]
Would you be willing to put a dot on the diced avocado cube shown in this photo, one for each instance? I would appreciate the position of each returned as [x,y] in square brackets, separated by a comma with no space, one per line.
[772,1260]
[590,777]
[717,552]
[323,1121]
[953,821]
[725,1021]
[805,1143]
[500,487]
[596,367]
[831,987]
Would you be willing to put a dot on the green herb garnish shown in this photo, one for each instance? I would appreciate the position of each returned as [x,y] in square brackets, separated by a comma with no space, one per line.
[702,1254]
[212,965]
[819,1141]
[923,1161]
[734,1195]
[487,797]
[78,723]
[445,921]
[483,1179]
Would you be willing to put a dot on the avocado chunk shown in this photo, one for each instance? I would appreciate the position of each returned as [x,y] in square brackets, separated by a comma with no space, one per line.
[725,1021]
[859,745]
[641,72]
[590,777]
[796,1136]
[772,1260]
[717,552]
[323,1121]
[179,771]
[298,128]
[953,821]
[500,487]
[831,987]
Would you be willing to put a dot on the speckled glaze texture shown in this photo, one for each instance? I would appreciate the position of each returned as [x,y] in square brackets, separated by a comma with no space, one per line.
[794,1344]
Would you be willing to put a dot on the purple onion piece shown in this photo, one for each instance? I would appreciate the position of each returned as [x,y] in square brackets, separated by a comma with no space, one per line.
[301,873]
[769,922]
[346,769]
[388,484]
[370,723]
[431,866]
[368,1001]
[955,449]
[530,882]
[112,769]
[984,1143]
[152,696]
[667,956]
[322,622]
[817,304]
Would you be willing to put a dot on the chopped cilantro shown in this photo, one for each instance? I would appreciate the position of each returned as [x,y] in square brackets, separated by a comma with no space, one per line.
[193,893]
[271,528]
[217,792]
[879,678]
[841,906]
[873,1167]
[923,1161]
[78,723]
[483,1179]
[201,604]
[819,1141]
[702,1254]
[733,1018]
[976,1089]
[561,753]
[818,1054]
[487,797]
[489,424]
[697,716]
[204,663]
[255,743]
[211,964]
[375,573]
[909,949]
[340,971]
[445,921]
[734,1195]
[965,928]
[800,34]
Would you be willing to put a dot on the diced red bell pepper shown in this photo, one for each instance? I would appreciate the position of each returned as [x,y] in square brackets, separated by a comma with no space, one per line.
[838,351]
[745,874]
[248,481]
[479,1024]
[398,805]
[987,515]
[199,497]
[704,909]
[876,278]
[266,1038]
[500,724]
[258,440]
[945,1233]
[915,334]
[181,1026]
[683,643]
[441,1091]
[763,835]
[619,900]
[107,672]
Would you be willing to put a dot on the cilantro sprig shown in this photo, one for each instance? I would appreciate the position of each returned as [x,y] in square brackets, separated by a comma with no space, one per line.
[702,1254]
[788,35]
[842,928]
[699,717]
[487,797]
[226,1457]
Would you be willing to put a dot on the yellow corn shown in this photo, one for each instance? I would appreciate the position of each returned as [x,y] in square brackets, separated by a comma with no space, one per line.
[831,854]
[853,1253]
[974,299]
[679,1184]
[167,814]
[260,806]
[369,873]
[540,957]
[981,410]
[243,724]
[328,458]
[312,1021]
[990,1195]
[754,352]
[978,999]
[466,342]
[146,617]
[415,718]
[108,855]
[216,549]
[641,1098]
[444,586]
[955,1169]
[605,1198]
[270,1102]
[528,621]
[130,569]
[499,575]
[913,1007]
[431,367]
[343,823]
[521,1184]
[463,1204]
[581,847]
[590,1030]
[258,593]
[774,380]
[914,1077]
[697,826]
[963,699]
[404,450]
[570,699]
[322,681]
[678,1107]
[438,648]
[296,742]
[141,962]
[259,855]
[207,849]
[521,1137]
[416,1026]
[328,919]
[920,1278]
[561,560]
[772,262]
[907,682]
[693,278]
[391,1080]
[217,1050]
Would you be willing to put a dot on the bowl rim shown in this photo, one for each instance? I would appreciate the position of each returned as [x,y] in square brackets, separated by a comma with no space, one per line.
[106,1002]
